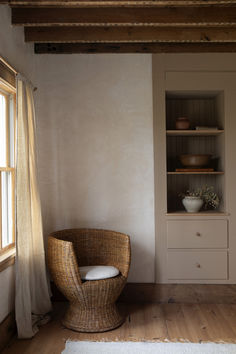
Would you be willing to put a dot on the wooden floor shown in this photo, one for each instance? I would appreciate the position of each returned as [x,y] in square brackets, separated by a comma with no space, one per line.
[144,322]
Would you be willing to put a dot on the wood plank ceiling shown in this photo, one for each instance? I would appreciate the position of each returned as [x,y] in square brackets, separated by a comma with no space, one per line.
[134,26]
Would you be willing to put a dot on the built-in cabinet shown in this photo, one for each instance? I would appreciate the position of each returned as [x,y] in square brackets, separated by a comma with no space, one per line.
[199,247]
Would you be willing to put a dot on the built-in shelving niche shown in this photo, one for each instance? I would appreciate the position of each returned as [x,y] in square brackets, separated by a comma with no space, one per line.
[202,109]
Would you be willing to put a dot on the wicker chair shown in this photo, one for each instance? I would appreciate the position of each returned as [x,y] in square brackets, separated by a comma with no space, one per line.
[92,303]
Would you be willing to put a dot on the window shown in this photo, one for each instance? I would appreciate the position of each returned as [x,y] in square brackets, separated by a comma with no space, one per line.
[7,167]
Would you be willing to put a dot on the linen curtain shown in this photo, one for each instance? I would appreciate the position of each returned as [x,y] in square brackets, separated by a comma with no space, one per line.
[32,293]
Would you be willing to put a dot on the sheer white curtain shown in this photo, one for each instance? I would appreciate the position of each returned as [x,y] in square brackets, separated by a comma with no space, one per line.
[32,293]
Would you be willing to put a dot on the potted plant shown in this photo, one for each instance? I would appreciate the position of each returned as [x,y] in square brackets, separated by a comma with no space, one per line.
[194,200]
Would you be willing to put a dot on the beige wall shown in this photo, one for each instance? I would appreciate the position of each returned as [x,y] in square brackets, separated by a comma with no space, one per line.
[95,139]
[12,46]
[19,55]
[7,300]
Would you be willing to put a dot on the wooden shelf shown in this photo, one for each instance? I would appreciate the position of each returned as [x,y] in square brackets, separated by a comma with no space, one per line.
[204,110]
[200,213]
[196,173]
[194,132]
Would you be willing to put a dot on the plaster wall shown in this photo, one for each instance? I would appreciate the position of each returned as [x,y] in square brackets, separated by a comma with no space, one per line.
[95,140]
[12,46]
[7,300]
[20,56]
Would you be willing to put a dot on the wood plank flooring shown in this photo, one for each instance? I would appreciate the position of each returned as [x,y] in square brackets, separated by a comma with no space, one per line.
[144,322]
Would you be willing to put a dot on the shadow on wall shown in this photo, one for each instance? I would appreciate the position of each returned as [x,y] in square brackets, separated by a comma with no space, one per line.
[142,262]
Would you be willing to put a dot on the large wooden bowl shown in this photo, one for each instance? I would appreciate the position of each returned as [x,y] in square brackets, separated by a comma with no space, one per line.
[191,160]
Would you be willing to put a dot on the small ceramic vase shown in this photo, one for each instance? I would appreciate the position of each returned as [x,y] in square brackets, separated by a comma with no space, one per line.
[192,204]
[182,123]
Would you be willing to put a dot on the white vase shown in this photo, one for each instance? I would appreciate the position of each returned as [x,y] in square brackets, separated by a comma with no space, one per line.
[192,204]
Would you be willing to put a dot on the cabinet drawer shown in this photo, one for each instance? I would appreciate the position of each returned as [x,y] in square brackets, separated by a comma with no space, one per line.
[197,265]
[197,234]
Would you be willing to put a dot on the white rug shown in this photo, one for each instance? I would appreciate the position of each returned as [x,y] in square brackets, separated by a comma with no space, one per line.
[147,348]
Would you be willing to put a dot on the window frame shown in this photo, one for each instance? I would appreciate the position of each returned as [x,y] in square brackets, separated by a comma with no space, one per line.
[7,253]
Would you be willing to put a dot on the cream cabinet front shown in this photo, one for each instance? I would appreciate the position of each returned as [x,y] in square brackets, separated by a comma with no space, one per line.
[197,265]
[194,247]
[197,249]
[197,234]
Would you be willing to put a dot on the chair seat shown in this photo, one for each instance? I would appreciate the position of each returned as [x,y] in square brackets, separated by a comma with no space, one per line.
[98,272]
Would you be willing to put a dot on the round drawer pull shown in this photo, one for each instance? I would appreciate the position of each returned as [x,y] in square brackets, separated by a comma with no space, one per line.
[198,265]
[198,234]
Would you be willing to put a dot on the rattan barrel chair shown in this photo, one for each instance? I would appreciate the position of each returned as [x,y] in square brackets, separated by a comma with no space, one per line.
[92,305]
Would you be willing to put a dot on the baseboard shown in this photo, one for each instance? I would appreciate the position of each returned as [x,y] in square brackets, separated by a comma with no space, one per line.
[168,293]
[7,330]
[179,293]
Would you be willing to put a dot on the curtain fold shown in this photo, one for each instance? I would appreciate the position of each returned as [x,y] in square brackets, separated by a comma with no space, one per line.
[32,293]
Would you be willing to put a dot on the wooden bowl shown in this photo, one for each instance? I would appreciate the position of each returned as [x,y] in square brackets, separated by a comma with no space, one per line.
[191,160]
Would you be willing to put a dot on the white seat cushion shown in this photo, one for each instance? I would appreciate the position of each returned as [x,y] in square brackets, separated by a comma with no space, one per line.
[98,272]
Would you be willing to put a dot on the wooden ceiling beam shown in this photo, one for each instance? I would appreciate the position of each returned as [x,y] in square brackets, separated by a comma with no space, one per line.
[156,3]
[121,15]
[130,34]
[93,48]
[132,26]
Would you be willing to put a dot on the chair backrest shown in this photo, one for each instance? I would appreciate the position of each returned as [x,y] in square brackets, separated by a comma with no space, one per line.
[62,263]
[98,247]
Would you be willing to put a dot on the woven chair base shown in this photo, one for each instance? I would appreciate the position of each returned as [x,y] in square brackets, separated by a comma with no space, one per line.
[99,319]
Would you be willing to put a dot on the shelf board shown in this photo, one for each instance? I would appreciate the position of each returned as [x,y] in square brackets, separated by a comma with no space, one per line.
[196,173]
[194,132]
[200,213]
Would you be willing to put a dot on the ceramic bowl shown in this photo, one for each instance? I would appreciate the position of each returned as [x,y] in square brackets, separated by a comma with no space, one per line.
[191,160]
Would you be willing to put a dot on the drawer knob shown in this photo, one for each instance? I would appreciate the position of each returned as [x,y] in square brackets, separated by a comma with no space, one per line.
[198,265]
[198,234]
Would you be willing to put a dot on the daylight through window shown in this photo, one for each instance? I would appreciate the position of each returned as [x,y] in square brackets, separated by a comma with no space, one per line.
[7,167]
